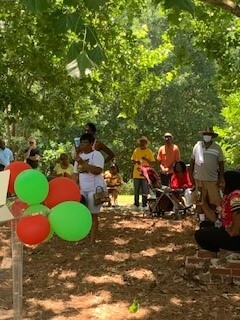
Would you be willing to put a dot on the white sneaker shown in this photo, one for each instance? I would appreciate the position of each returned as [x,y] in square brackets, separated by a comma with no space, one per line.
[145,208]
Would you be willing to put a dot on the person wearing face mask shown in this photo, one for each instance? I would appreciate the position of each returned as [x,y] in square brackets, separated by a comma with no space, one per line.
[206,173]
[6,155]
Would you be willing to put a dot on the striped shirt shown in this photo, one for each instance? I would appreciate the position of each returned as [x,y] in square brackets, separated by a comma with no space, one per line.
[208,171]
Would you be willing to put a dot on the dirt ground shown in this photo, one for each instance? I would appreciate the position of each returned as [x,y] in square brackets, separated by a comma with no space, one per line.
[136,259]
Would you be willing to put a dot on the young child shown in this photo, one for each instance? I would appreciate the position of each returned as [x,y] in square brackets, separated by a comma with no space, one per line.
[152,176]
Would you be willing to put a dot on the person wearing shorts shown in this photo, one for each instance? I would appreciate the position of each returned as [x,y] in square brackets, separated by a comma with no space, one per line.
[206,173]
[88,169]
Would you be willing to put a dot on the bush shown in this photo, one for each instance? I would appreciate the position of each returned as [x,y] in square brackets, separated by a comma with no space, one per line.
[127,187]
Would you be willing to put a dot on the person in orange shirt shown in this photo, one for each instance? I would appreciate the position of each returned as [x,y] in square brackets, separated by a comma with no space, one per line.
[167,155]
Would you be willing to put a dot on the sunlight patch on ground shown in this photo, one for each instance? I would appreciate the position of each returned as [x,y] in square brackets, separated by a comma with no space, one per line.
[120,241]
[117,256]
[176,301]
[149,252]
[129,225]
[141,274]
[104,279]
[67,274]
[167,248]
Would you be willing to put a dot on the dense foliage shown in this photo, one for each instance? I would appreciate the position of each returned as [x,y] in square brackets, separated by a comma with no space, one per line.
[131,67]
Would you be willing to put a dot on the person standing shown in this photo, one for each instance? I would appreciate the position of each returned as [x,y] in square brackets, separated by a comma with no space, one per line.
[206,173]
[167,155]
[32,153]
[88,169]
[6,155]
[98,145]
[141,156]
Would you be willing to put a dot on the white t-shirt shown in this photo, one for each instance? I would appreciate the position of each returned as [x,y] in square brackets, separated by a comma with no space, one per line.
[88,181]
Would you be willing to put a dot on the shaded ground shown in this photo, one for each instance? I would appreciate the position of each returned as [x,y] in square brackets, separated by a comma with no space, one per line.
[136,259]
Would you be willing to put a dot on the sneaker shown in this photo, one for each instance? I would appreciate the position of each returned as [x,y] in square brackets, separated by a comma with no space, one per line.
[145,208]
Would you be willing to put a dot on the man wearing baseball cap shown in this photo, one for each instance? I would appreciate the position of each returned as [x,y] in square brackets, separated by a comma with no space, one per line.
[167,155]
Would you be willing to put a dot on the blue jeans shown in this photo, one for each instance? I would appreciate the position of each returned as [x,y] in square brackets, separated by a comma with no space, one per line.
[140,184]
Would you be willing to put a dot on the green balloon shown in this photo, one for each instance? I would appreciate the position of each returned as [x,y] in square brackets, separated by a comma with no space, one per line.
[36,208]
[70,220]
[31,186]
[50,235]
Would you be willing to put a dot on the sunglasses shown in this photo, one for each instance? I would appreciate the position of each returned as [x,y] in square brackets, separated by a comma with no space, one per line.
[31,142]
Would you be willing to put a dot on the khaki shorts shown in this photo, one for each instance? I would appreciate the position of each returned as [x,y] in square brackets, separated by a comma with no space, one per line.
[210,192]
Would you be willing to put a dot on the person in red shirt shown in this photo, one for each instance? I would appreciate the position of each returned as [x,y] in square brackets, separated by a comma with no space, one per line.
[226,237]
[180,180]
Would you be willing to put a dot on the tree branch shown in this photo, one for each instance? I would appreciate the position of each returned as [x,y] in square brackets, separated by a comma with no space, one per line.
[227,5]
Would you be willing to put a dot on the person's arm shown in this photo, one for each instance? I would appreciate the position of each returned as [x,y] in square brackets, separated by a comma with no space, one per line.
[177,154]
[234,229]
[36,157]
[102,147]
[89,167]
[174,182]
[11,157]
[191,169]
[221,172]
[26,154]
[159,156]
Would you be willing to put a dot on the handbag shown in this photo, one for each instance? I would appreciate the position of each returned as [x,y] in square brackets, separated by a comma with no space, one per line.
[100,196]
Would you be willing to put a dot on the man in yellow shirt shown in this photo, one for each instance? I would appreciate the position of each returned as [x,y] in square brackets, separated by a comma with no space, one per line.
[141,156]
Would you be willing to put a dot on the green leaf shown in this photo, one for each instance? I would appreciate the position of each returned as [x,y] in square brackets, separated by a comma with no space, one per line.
[80,66]
[91,36]
[36,6]
[71,2]
[74,50]
[94,4]
[134,307]
[75,22]
[185,5]
[97,54]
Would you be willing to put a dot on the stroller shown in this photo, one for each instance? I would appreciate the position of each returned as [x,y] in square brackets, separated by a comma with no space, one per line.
[163,199]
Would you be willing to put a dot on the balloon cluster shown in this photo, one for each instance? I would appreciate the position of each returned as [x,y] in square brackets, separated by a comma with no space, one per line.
[44,208]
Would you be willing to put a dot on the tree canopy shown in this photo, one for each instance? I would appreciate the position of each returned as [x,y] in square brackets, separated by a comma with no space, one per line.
[131,67]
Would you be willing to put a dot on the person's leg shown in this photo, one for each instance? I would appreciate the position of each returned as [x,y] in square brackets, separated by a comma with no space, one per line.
[114,197]
[94,230]
[211,199]
[201,200]
[144,192]
[164,179]
[95,210]
[136,183]
[212,239]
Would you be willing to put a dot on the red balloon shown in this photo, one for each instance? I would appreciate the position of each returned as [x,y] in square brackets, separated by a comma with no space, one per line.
[62,189]
[33,229]
[18,207]
[15,168]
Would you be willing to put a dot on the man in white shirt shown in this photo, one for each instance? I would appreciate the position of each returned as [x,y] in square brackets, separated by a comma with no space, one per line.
[6,155]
